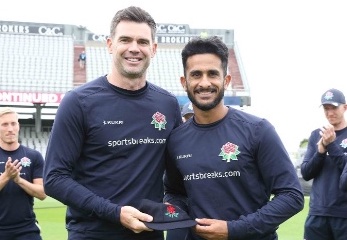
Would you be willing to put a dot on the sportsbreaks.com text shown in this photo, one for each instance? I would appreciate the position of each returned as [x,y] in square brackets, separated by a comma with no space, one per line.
[132,141]
[200,176]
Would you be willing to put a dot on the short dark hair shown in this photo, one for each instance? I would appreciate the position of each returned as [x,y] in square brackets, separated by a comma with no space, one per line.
[200,45]
[134,14]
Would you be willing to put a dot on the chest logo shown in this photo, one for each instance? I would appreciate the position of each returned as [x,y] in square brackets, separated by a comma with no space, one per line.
[344,143]
[229,152]
[25,162]
[159,121]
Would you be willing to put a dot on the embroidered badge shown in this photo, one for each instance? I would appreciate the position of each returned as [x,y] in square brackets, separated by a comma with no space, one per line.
[171,211]
[344,143]
[159,121]
[25,162]
[229,152]
[328,95]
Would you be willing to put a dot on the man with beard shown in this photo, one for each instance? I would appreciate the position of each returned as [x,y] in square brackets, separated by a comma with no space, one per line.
[227,168]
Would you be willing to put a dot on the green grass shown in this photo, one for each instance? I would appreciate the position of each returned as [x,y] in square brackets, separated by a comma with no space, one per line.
[293,228]
[51,216]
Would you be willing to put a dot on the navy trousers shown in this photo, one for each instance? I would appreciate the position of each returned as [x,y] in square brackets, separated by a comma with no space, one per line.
[325,228]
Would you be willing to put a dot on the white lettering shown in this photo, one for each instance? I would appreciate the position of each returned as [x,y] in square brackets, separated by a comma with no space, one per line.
[175,39]
[171,28]
[14,29]
[43,30]
[99,38]
[31,97]
[176,29]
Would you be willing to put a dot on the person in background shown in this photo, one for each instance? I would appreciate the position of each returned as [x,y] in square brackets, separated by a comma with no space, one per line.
[228,168]
[324,161]
[106,150]
[82,59]
[20,181]
[187,111]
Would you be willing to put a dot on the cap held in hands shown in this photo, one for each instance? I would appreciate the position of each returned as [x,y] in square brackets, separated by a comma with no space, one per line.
[165,217]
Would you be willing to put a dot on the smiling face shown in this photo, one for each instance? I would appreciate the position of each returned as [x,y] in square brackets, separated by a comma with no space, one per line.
[132,48]
[204,81]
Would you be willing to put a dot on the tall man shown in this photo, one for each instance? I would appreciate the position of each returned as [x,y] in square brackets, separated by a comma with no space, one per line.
[224,163]
[20,181]
[106,150]
[324,161]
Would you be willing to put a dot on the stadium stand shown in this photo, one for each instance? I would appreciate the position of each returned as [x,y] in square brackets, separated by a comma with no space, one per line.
[166,69]
[38,65]
[28,136]
[98,60]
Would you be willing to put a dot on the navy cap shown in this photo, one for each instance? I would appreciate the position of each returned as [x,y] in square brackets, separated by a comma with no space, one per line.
[334,97]
[187,108]
[165,216]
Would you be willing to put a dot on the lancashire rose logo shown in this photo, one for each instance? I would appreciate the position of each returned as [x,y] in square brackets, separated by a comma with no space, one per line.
[344,143]
[159,120]
[229,152]
[171,211]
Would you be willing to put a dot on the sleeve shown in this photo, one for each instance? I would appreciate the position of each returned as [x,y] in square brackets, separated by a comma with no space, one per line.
[174,191]
[280,179]
[179,120]
[343,179]
[63,150]
[313,160]
[338,156]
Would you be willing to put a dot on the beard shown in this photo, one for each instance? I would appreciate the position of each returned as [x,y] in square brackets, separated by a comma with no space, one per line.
[207,106]
[132,73]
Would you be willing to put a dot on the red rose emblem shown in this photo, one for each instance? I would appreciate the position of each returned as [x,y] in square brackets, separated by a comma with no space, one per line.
[229,148]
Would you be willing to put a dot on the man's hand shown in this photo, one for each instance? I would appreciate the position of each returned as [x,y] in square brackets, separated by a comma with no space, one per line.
[133,219]
[328,135]
[12,169]
[211,229]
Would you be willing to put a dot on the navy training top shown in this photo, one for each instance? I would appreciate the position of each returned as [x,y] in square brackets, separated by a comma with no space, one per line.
[343,179]
[106,150]
[229,170]
[16,206]
[326,197]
